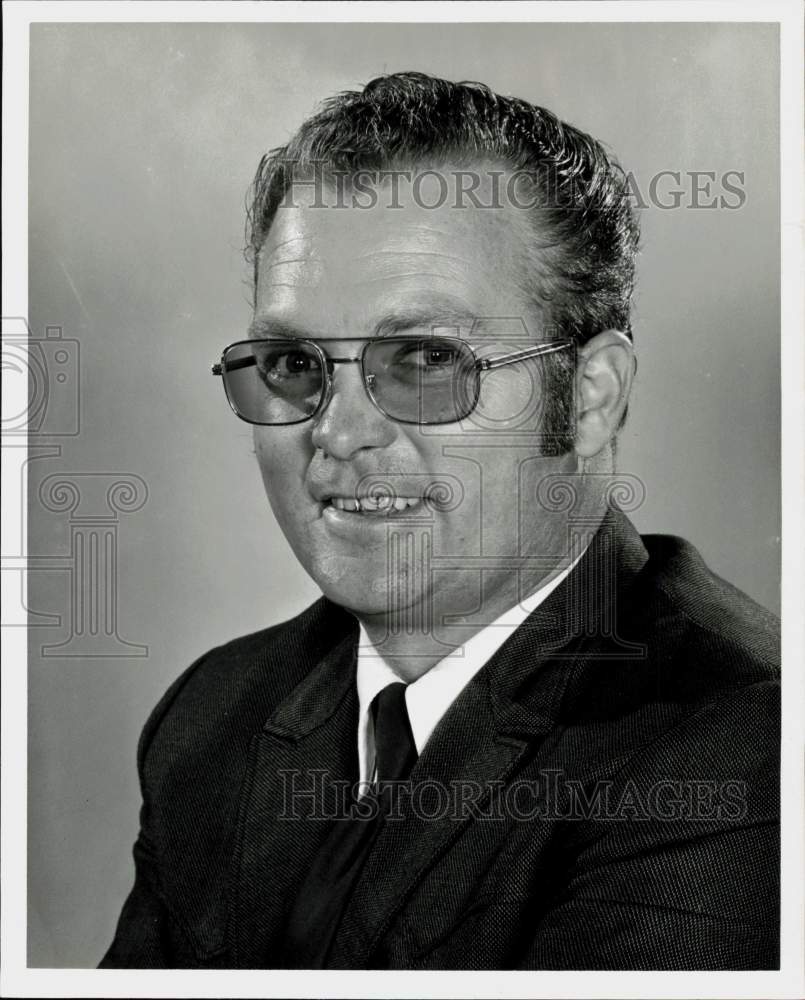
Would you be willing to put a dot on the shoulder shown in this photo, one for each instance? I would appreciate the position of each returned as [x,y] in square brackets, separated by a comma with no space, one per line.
[681,695]
[683,656]
[689,611]
[707,694]
[711,669]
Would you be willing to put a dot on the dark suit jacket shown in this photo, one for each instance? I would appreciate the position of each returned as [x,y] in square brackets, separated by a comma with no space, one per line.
[625,748]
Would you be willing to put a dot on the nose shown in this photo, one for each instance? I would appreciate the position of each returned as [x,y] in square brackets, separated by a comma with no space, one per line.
[350,422]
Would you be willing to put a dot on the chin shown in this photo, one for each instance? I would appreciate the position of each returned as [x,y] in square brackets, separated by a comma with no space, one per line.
[364,585]
[357,600]
[362,589]
[367,597]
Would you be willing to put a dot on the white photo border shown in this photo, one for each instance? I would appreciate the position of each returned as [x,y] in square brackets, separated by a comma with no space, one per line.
[786,984]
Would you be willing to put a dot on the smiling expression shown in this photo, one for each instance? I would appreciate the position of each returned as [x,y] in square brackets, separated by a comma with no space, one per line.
[367,503]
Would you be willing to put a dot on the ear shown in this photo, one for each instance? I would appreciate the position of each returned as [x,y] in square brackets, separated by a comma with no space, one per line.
[604,372]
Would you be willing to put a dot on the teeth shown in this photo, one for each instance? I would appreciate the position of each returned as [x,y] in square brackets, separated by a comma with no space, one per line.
[382,502]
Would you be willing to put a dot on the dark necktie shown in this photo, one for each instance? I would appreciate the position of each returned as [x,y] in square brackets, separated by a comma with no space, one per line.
[395,750]
[324,893]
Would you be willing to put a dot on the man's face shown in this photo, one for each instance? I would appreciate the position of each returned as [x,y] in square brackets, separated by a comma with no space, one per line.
[472,513]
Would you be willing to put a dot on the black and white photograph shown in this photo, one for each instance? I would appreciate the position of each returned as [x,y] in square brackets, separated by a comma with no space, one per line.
[403,474]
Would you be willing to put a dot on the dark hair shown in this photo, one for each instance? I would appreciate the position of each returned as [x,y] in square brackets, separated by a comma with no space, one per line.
[585,234]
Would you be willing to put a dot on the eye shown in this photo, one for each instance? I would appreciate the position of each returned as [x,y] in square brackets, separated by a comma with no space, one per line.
[426,355]
[296,362]
[281,363]
[440,356]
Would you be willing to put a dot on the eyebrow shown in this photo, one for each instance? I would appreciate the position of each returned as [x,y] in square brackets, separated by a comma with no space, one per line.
[262,327]
[435,315]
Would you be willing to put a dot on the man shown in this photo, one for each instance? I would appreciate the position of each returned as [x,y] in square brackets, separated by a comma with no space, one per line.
[512,734]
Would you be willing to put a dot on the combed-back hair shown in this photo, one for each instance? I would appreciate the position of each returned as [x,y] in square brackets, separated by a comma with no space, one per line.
[585,235]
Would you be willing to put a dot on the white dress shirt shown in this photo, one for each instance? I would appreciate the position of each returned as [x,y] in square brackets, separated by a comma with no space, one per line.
[429,696]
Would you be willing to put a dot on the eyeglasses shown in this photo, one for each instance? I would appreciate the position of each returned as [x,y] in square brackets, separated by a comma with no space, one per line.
[433,380]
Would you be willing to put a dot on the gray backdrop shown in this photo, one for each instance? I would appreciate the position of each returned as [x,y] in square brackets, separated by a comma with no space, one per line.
[149,534]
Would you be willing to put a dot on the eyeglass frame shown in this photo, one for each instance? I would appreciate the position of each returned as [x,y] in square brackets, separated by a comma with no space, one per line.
[329,363]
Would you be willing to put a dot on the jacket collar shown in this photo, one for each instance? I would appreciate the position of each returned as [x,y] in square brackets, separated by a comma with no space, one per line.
[531,671]
[327,637]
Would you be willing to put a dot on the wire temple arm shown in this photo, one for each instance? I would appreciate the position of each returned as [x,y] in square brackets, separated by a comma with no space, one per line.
[231,366]
[486,364]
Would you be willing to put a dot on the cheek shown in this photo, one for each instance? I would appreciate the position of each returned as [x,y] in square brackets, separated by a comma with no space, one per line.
[282,456]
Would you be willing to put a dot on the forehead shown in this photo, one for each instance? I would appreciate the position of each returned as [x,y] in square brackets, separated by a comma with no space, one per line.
[334,258]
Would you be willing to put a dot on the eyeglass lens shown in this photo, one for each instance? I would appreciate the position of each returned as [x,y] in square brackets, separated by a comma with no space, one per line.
[427,381]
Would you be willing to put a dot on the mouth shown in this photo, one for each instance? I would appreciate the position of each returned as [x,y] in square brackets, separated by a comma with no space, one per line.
[377,505]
